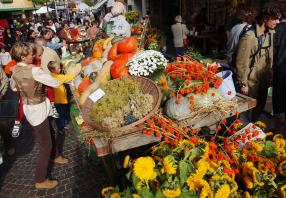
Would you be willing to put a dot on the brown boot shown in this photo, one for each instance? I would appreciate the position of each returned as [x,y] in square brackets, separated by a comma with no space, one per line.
[60,160]
[47,184]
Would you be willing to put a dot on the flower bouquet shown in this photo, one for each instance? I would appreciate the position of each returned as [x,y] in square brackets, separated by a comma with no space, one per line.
[132,17]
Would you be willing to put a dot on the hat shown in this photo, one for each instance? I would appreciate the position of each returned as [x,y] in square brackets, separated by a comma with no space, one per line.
[118,8]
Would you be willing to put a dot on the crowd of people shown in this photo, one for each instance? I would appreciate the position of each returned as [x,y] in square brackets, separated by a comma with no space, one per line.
[32,75]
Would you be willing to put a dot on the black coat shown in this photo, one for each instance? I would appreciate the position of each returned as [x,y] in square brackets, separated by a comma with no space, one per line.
[280,48]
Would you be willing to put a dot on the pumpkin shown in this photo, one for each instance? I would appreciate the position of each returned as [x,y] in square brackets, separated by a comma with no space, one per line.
[83,85]
[112,54]
[119,68]
[127,45]
[97,53]
[86,61]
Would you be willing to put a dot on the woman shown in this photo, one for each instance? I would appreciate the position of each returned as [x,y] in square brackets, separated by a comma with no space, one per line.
[9,38]
[29,81]
[93,30]
[31,36]
[180,32]
[65,33]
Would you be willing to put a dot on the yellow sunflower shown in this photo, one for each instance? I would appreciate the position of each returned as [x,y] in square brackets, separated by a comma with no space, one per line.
[257,147]
[136,196]
[260,124]
[144,168]
[115,195]
[169,165]
[168,193]
[223,191]
[199,174]
[126,161]
[202,186]
[105,190]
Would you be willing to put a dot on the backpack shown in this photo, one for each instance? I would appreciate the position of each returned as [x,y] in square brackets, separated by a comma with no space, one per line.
[260,45]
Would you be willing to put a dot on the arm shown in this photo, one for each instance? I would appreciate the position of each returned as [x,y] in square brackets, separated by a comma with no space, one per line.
[53,46]
[243,59]
[4,82]
[64,78]
[41,76]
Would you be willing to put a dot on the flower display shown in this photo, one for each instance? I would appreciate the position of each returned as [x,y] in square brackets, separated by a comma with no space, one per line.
[146,63]
[185,165]
[132,17]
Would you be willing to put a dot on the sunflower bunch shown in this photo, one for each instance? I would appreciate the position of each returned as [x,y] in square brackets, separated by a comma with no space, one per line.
[132,17]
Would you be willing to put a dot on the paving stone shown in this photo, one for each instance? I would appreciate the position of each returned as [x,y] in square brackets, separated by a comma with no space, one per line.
[80,178]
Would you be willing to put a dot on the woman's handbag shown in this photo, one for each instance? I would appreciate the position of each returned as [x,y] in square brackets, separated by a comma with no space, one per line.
[186,41]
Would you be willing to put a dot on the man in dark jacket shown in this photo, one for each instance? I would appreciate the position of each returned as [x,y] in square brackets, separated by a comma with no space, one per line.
[279,70]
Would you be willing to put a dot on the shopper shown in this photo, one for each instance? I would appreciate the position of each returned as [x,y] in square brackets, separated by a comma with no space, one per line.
[255,57]
[246,17]
[180,32]
[28,80]
[279,69]
[93,30]
[61,101]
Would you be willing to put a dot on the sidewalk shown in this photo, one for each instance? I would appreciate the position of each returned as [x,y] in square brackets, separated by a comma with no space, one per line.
[80,178]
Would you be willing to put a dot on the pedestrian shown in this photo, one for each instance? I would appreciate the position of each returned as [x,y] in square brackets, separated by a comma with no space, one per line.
[180,32]
[246,17]
[279,70]
[61,101]
[29,80]
[93,30]
[254,58]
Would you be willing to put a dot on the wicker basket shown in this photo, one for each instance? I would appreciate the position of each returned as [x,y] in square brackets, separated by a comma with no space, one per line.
[147,86]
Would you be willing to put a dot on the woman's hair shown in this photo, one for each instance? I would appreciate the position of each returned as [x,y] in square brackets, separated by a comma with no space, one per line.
[246,14]
[52,66]
[269,11]
[45,31]
[20,50]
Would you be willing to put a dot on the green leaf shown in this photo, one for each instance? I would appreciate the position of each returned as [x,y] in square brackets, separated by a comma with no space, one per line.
[135,180]
[127,193]
[189,195]
[128,175]
[185,170]
[159,194]
[146,193]
[269,149]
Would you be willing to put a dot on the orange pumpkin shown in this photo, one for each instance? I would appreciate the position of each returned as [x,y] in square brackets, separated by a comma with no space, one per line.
[83,85]
[97,53]
[127,45]
[119,68]
[112,54]
[86,61]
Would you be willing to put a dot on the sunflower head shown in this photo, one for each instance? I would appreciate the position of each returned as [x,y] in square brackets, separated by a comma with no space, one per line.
[126,161]
[169,193]
[169,165]
[260,124]
[223,191]
[115,195]
[136,196]
[106,190]
[144,168]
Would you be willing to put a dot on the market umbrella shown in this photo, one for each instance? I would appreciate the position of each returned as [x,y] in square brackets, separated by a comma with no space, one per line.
[43,10]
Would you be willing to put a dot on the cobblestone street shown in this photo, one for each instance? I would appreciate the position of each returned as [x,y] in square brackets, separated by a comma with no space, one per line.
[80,178]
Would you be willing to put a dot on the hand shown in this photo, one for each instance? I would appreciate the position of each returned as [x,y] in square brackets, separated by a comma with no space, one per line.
[245,90]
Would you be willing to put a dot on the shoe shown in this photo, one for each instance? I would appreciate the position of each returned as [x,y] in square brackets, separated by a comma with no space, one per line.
[47,184]
[55,113]
[16,129]
[60,160]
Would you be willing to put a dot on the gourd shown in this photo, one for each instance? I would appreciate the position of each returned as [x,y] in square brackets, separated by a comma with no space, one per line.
[83,85]
[112,54]
[177,111]
[127,45]
[102,77]
[119,68]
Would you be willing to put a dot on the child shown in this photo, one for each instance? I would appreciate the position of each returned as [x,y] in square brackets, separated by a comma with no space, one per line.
[61,98]
[5,57]
[29,80]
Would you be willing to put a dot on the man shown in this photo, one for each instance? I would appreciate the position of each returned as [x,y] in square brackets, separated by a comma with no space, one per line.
[255,57]
[279,70]
[45,54]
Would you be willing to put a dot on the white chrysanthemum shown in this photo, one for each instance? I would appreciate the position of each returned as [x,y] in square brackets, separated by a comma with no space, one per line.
[146,62]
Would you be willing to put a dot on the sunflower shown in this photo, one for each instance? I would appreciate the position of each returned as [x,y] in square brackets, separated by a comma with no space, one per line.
[168,193]
[223,191]
[115,195]
[260,124]
[201,185]
[105,190]
[169,165]
[144,168]
[126,161]
[257,147]
[199,174]
[136,196]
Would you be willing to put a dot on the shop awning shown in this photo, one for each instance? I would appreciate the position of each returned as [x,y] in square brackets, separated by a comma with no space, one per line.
[99,4]
[43,10]
[17,5]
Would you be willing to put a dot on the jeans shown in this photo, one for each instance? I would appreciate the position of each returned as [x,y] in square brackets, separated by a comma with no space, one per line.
[62,109]
[180,50]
